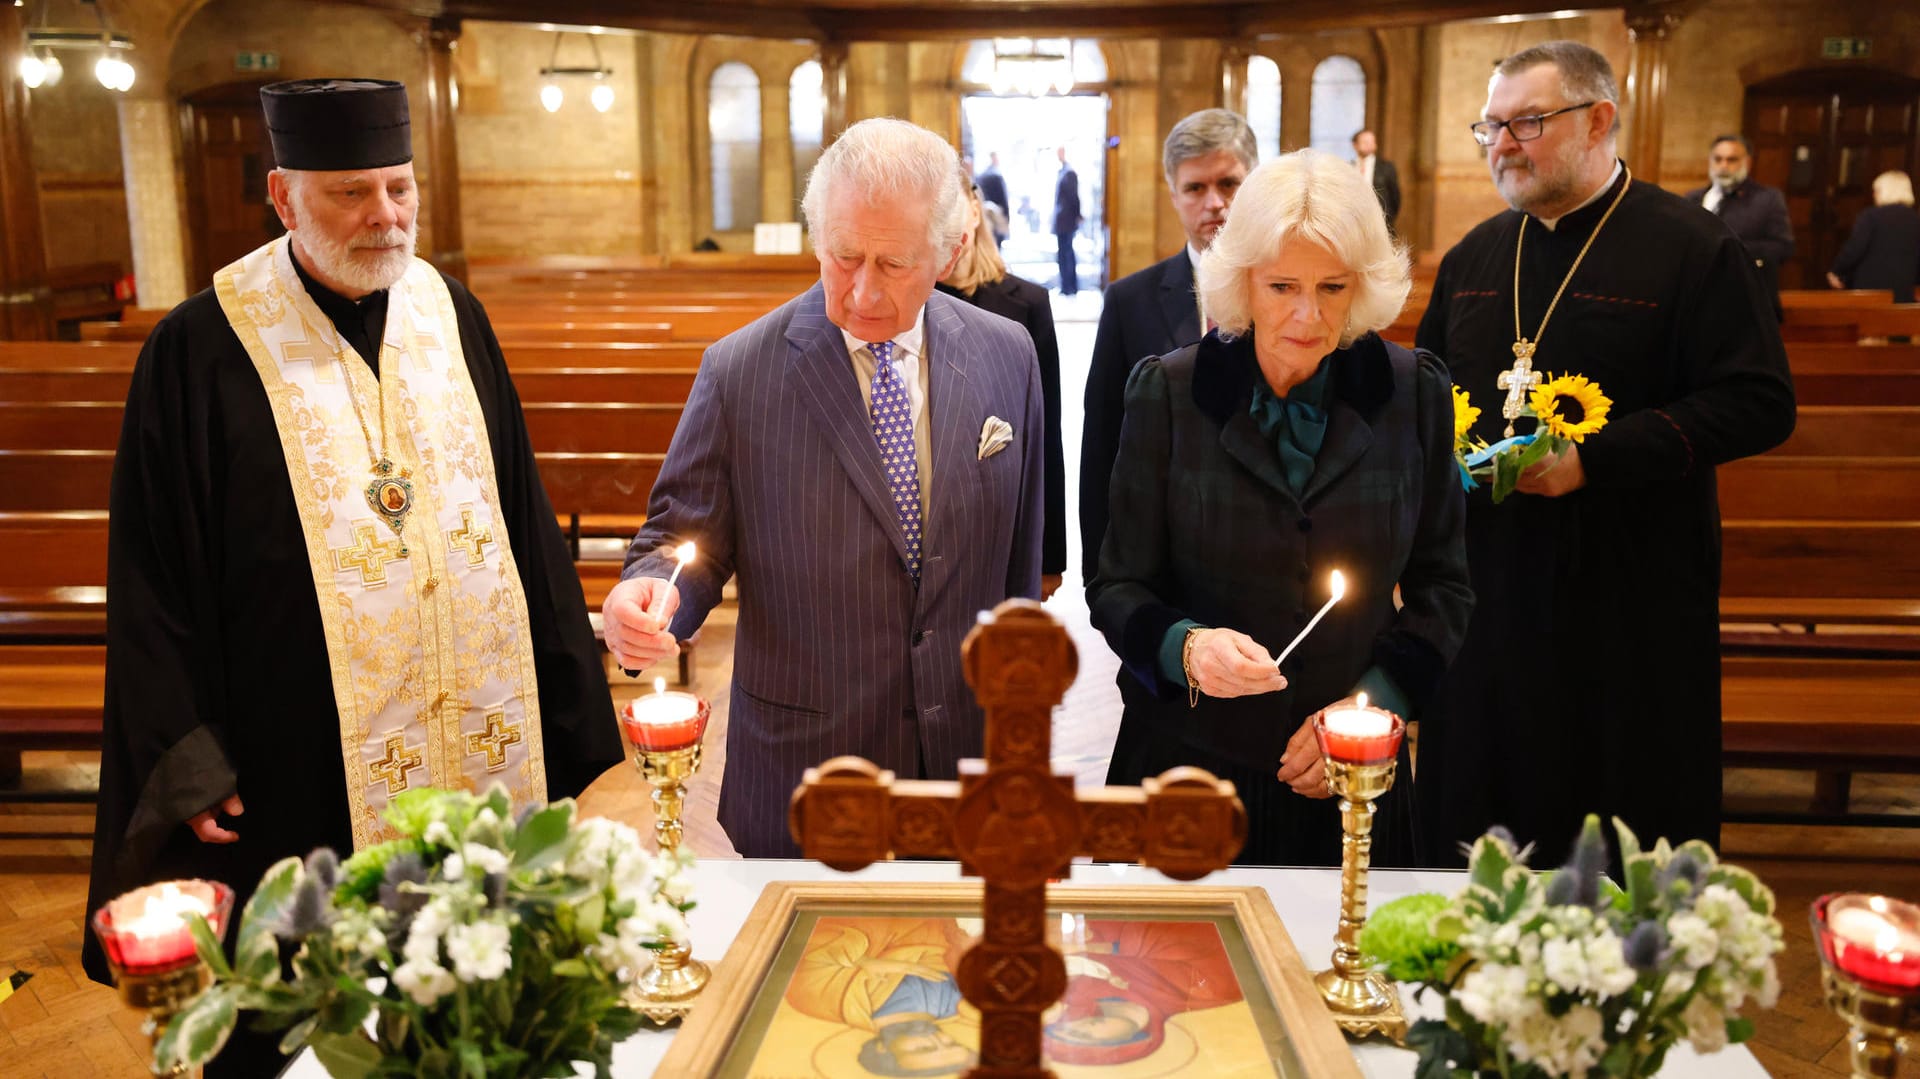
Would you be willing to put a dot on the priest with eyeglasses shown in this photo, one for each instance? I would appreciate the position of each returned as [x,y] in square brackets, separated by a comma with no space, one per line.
[1590,677]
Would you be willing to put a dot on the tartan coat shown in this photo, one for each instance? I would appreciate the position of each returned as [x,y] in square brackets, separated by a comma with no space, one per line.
[1205,527]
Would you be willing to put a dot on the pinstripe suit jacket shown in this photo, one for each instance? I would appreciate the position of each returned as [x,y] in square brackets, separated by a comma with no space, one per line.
[774,472]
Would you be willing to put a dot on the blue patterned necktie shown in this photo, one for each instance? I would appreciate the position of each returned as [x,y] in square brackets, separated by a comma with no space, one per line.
[893,430]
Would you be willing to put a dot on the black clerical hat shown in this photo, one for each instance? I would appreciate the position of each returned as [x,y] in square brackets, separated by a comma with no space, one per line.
[329,125]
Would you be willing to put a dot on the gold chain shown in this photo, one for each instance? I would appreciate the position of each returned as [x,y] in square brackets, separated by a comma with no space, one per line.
[1565,281]
[378,456]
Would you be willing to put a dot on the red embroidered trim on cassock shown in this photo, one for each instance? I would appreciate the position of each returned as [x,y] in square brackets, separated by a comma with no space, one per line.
[1684,440]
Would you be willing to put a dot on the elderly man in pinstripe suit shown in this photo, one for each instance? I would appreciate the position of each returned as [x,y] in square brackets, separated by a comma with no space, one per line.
[867,460]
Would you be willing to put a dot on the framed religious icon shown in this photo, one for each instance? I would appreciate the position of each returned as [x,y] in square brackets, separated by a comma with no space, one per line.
[835,980]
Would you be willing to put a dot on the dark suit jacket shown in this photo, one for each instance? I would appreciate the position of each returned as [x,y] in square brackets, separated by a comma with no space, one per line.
[1757,214]
[1882,251]
[1024,302]
[1066,202]
[773,470]
[1148,313]
[1386,187]
[1206,527]
[993,188]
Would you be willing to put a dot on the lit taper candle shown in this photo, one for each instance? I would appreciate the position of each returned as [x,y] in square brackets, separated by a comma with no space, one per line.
[1339,588]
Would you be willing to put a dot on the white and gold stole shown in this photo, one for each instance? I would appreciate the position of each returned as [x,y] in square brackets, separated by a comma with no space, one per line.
[426,621]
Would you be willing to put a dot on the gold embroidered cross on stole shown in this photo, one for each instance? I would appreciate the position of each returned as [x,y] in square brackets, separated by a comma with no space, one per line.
[494,740]
[393,768]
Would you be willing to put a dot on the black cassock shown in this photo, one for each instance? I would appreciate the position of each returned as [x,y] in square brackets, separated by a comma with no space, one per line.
[1590,676]
[217,668]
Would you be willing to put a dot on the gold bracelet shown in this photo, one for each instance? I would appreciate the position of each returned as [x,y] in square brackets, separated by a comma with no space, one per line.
[1186,666]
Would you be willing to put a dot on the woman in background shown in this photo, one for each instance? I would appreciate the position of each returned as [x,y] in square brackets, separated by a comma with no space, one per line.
[1883,251]
[980,277]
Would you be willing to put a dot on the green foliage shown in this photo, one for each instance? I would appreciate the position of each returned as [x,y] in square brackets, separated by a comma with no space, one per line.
[1399,937]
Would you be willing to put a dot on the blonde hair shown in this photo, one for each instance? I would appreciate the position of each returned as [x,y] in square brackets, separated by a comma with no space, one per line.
[1317,197]
[1892,186]
[980,262]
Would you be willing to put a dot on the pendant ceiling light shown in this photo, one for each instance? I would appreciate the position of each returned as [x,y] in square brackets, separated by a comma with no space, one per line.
[40,66]
[1032,67]
[552,96]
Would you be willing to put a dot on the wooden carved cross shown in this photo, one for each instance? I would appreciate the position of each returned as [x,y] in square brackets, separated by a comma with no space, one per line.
[1015,822]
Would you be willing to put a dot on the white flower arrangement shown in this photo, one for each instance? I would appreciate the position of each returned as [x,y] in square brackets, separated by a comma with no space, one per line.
[480,943]
[1573,975]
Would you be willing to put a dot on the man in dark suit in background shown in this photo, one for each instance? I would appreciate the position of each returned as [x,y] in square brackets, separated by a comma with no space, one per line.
[866,459]
[1756,213]
[1152,312]
[1380,173]
[993,188]
[1066,222]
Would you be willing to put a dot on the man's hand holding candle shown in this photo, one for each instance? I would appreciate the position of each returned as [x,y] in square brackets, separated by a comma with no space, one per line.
[635,618]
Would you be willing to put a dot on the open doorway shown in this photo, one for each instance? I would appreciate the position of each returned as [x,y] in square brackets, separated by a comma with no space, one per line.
[1026,134]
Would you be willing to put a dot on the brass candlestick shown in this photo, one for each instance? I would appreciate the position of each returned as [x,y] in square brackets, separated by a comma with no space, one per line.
[1363,1001]
[1875,987]
[149,947]
[670,986]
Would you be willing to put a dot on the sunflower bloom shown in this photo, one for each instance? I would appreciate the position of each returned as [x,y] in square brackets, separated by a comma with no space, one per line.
[1545,401]
[1464,414]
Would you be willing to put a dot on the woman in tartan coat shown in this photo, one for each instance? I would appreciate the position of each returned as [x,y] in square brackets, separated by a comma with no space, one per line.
[1290,442]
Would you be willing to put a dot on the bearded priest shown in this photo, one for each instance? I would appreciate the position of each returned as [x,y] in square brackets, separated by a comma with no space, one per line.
[1590,677]
[333,572]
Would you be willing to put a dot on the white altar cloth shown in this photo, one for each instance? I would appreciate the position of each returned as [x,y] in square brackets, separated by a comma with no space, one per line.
[1307,901]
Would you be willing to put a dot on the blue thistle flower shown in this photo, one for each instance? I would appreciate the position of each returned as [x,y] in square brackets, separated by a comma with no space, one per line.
[324,865]
[1645,946]
[404,868]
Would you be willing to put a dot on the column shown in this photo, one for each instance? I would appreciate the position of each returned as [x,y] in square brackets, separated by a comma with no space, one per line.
[776,151]
[1233,75]
[149,166]
[26,302]
[442,202]
[1648,27]
[833,72]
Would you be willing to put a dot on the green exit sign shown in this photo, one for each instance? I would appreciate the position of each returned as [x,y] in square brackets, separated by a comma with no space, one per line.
[1845,48]
[256,61]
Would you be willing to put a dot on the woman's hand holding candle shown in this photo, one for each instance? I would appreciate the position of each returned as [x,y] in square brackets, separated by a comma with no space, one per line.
[1301,766]
[1228,663]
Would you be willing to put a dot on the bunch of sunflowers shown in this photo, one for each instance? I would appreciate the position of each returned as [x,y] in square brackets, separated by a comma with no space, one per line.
[1567,409]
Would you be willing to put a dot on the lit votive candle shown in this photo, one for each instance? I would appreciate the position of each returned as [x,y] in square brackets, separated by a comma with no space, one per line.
[664,721]
[145,931]
[1873,938]
[1359,734]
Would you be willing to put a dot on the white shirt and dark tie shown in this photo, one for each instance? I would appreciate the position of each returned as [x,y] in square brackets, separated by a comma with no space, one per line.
[906,370]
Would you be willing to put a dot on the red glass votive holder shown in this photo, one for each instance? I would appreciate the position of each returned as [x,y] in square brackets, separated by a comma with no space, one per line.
[1359,734]
[146,931]
[1870,938]
[665,721]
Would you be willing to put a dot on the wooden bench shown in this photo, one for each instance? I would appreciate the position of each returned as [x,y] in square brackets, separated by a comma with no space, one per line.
[1777,485]
[50,698]
[1835,716]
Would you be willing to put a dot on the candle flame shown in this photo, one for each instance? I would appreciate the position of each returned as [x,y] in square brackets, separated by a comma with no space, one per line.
[1360,701]
[660,685]
[164,910]
[684,552]
[1339,585]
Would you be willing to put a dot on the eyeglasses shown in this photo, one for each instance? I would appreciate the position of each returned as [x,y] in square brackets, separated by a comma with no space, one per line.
[1522,128]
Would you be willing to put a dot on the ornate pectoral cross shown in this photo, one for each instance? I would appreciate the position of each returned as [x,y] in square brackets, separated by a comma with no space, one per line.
[1518,382]
[1014,822]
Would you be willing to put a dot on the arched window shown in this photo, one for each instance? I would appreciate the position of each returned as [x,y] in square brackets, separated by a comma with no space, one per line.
[1339,104]
[806,119]
[733,126]
[1263,104]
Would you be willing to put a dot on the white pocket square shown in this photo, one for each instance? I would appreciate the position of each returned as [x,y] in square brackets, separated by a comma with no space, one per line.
[995,435]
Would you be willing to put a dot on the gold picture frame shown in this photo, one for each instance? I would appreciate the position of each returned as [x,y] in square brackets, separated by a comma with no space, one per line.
[724,1034]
